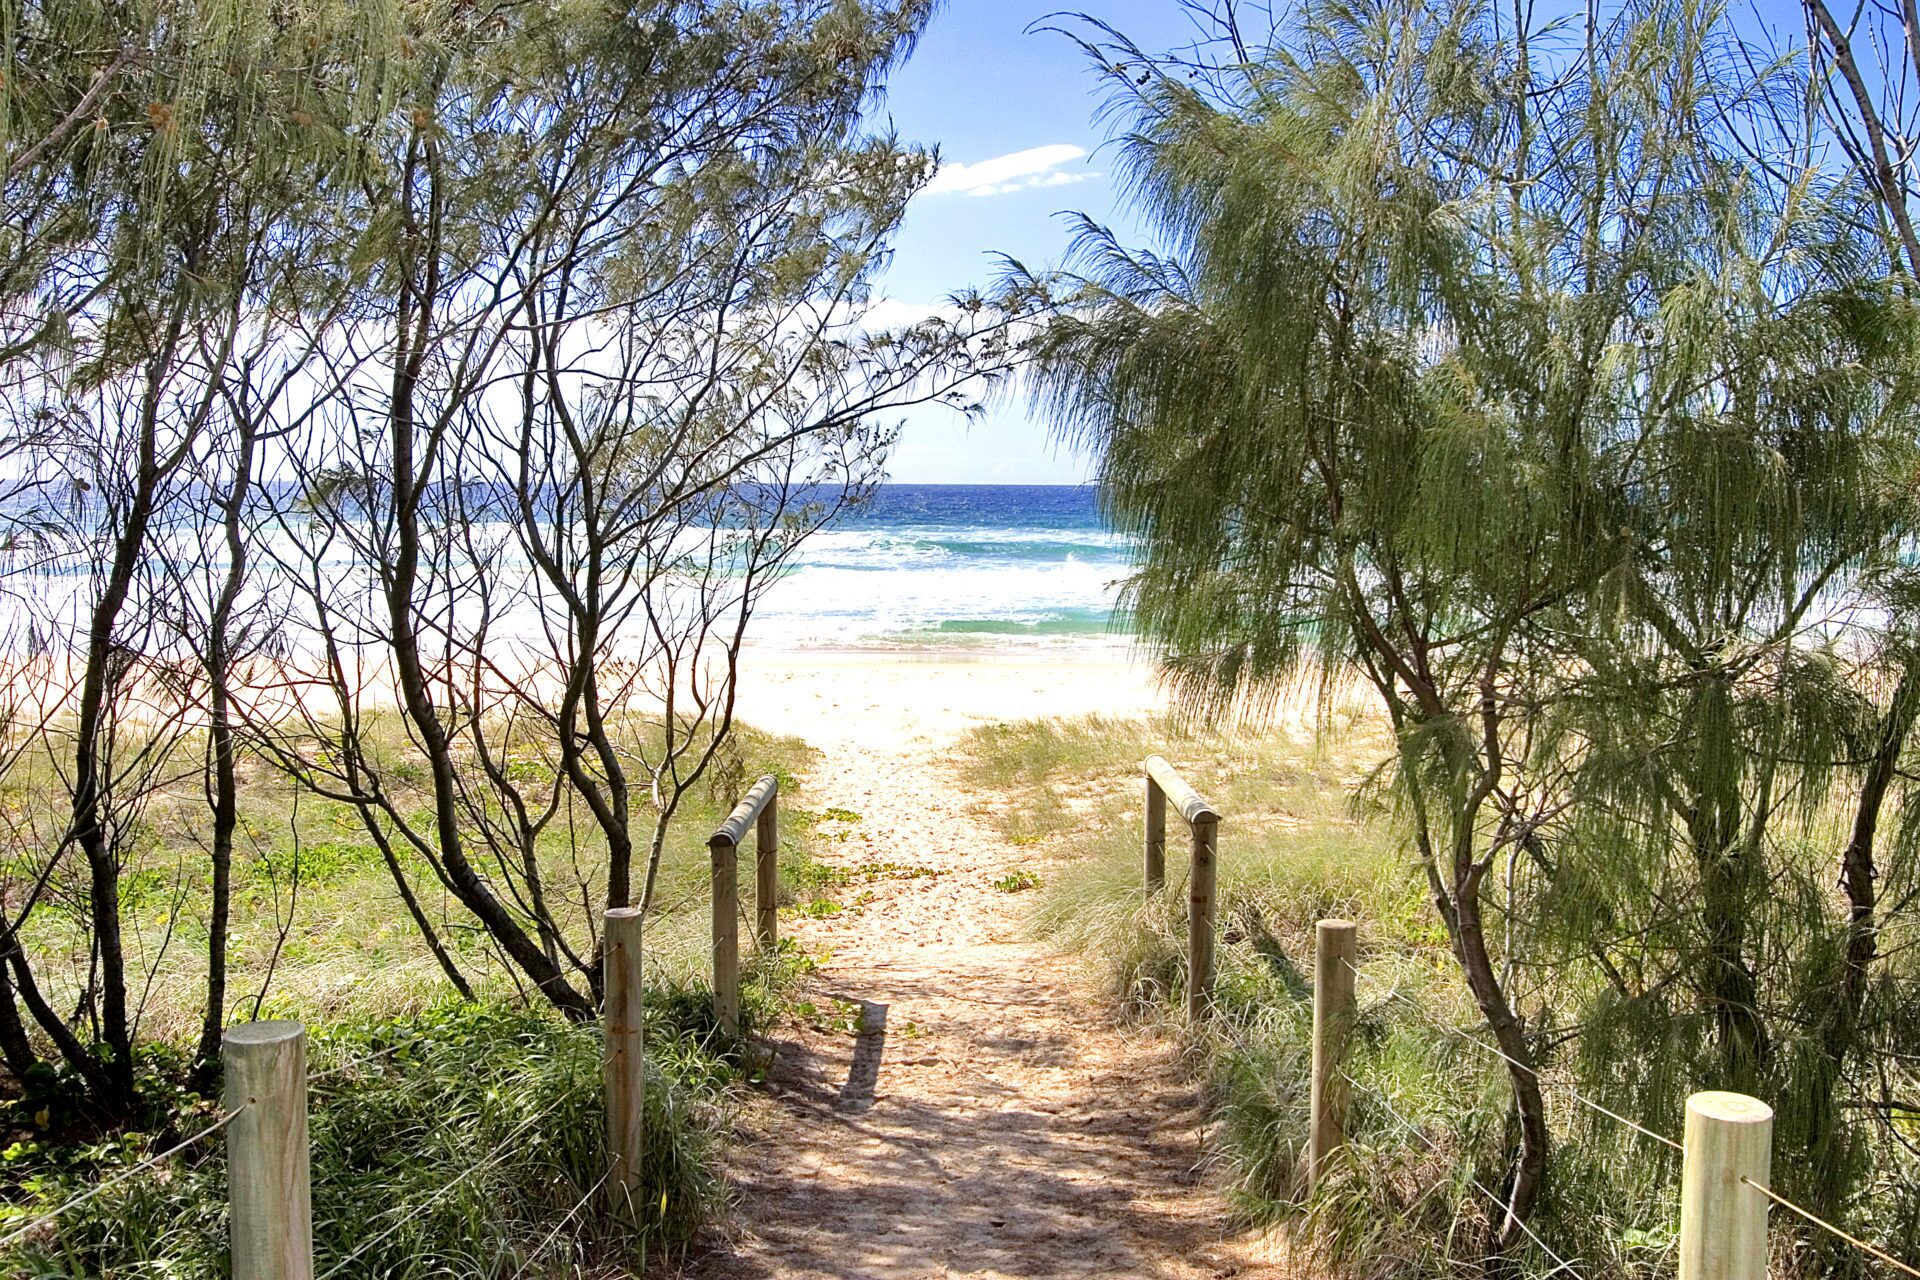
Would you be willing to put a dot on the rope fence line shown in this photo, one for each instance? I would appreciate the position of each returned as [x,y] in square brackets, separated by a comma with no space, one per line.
[269,1158]
[1873,1251]
[269,1189]
[123,1176]
[366,1060]
[1729,1136]
[1865,1247]
[1560,1263]
[491,1159]
[1567,1089]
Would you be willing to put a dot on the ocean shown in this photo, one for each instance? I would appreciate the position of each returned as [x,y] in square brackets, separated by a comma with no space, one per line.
[954,567]
[951,567]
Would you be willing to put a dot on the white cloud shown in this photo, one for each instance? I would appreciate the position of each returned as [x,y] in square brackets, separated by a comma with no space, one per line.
[896,313]
[1034,167]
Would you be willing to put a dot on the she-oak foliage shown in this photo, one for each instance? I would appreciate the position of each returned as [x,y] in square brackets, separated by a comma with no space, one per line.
[486,360]
[1549,384]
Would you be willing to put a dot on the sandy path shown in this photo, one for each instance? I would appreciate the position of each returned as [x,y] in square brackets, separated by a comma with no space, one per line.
[987,1120]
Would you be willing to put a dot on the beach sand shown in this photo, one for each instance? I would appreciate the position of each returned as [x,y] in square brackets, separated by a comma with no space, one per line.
[990,1119]
[891,699]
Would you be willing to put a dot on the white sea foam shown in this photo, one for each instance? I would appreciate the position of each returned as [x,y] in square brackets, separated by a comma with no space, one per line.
[947,566]
[935,566]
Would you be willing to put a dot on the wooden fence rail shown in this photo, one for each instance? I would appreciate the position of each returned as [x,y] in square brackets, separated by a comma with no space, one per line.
[1164,783]
[271,1206]
[761,811]
[270,1202]
[1727,1153]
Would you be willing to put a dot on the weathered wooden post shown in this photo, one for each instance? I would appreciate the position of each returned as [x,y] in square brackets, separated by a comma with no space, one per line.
[1200,903]
[1723,1221]
[1333,1016]
[1205,822]
[1155,862]
[270,1229]
[758,807]
[766,890]
[726,934]
[624,1059]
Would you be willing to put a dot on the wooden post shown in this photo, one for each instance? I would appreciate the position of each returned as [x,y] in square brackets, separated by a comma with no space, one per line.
[1200,903]
[624,1060]
[270,1229]
[1173,790]
[1156,851]
[1333,1016]
[759,803]
[1723,1221]
[726,935]
[767,882]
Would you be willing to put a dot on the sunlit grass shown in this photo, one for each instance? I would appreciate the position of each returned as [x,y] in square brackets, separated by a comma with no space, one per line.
[448,1139]
[1299,841]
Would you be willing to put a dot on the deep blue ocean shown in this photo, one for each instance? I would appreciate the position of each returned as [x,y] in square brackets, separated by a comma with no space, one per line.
[954,566]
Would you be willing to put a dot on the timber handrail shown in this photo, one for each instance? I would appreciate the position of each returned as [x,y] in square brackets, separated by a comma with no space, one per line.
[1164,783]
[760,809]
[1193,806]
[758,797]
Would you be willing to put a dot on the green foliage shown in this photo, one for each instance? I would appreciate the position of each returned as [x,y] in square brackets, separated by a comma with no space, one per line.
[1560,397]
[453,1143]
[838,1017]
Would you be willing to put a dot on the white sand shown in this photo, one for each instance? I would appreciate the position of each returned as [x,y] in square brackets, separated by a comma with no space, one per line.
[893,699]
[991,1120]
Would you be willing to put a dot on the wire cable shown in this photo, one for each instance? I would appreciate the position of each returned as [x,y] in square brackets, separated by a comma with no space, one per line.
[1495,1050]
[560,1225]
[409,1211]
[123,1176]
[369,1059]
[1560,1263]
[1823,1224]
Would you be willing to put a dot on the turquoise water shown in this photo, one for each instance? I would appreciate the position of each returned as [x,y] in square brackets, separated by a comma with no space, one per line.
[955,566]
[933,566]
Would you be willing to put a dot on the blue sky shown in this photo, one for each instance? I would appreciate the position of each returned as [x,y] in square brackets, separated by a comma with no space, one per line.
[1013,116]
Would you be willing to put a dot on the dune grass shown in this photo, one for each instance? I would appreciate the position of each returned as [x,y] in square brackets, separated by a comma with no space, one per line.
[449,1139]
[1300,841]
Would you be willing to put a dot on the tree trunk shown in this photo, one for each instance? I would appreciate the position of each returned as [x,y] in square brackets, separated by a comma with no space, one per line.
[15,1048]
[410,481]
[88,827]
[220,746]
[1725,867]
[1838,1035]
[1727,982]
[1470,946]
